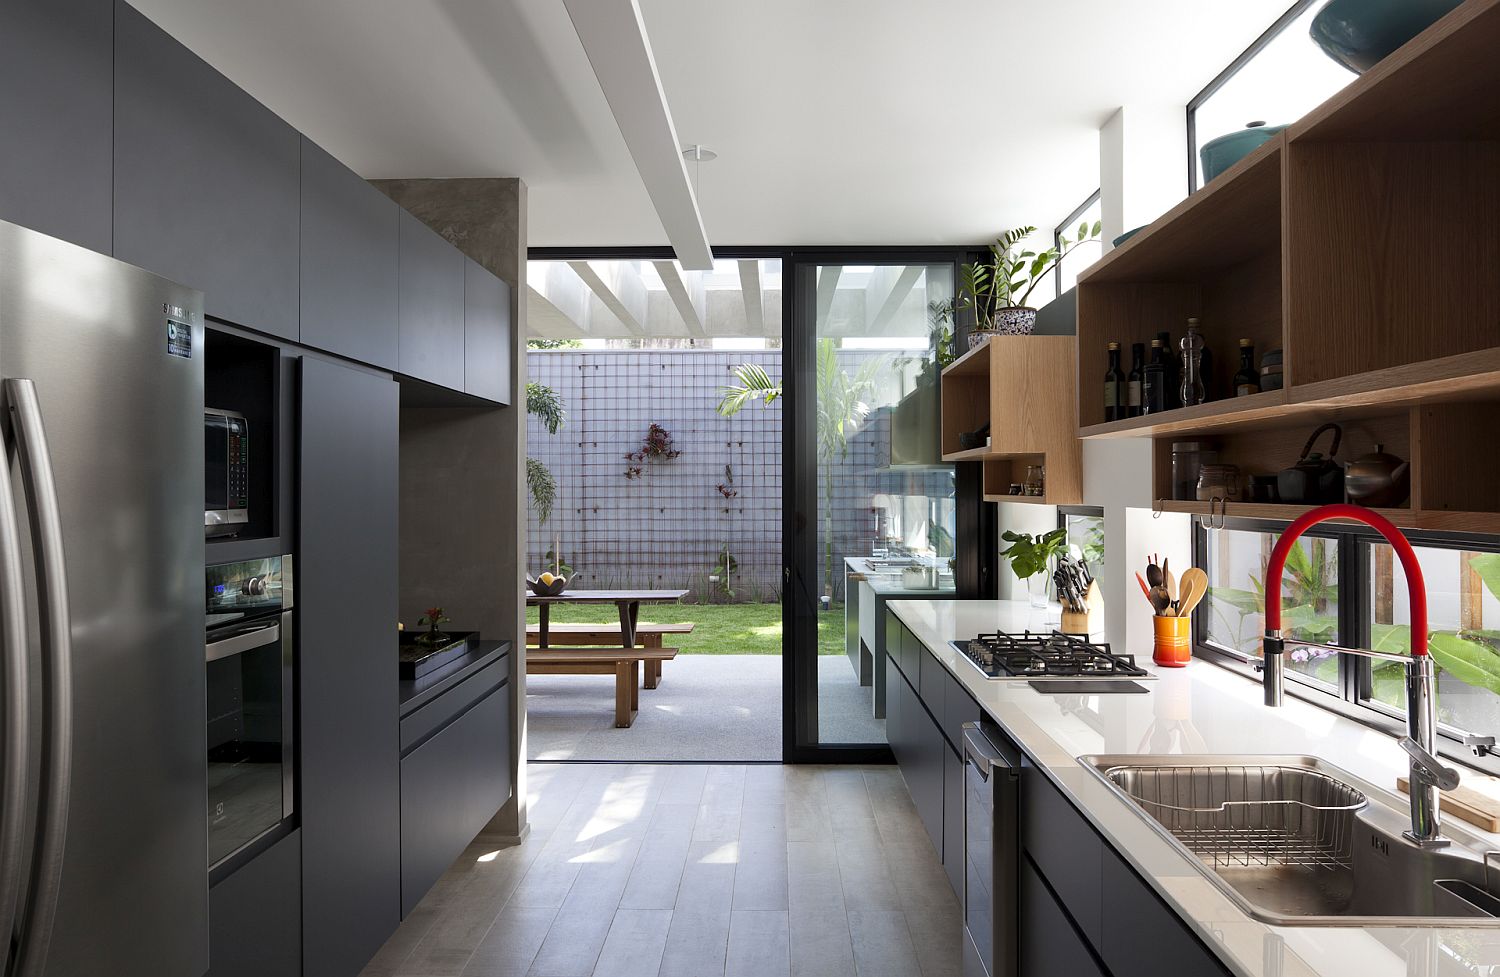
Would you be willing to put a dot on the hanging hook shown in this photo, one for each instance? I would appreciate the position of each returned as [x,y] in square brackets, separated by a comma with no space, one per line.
[1156,509]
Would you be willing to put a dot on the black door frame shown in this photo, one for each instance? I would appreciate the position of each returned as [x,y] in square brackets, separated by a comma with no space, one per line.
[800,596]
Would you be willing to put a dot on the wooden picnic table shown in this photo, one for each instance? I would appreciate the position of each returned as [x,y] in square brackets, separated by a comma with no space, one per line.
[628,601]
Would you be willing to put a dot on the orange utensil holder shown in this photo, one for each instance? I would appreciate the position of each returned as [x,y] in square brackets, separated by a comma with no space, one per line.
[1174,641]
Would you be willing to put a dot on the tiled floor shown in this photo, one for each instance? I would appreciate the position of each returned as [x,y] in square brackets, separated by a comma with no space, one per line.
[634,870]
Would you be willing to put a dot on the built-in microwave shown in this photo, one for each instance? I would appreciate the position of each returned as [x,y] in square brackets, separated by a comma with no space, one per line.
[226,455]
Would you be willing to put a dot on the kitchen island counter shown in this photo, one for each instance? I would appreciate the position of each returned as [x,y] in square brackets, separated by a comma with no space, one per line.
[1200,709]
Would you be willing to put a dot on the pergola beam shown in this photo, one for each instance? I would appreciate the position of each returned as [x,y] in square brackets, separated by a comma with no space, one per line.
[880,308]
[545,320]
[692,316]
[606,295]
[755,318]
[828,283]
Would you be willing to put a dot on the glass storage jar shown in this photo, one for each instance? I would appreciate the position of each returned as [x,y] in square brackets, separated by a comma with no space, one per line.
[1188,459]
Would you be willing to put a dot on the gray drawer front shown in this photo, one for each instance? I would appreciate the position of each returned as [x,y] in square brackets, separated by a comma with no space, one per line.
[959,707]
[451,786]
[431,717]
[1149,939]
[1067,851]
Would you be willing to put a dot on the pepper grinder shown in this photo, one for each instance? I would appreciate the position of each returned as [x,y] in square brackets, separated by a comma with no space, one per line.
[1193,391]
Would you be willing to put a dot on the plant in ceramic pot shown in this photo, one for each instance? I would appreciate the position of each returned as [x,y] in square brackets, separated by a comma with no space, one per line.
[1031,558]
[998,289]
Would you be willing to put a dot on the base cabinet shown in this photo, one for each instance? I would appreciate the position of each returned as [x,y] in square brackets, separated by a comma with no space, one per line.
[1050,945]
[255,915]
[453,780]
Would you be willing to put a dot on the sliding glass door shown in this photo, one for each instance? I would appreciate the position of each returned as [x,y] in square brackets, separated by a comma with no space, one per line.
[869,505]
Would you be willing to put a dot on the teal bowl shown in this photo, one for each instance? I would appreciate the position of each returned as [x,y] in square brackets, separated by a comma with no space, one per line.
[1359,33]
[1129,234]
[1218,155]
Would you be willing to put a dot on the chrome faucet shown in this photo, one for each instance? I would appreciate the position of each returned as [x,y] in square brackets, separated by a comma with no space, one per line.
[1428,774]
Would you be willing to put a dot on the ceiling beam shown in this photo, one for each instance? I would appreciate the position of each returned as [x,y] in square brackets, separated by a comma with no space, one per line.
[881,303]
[545,320]
[614,38]
[828,283]
[692,316]
[606,295]
[750,290]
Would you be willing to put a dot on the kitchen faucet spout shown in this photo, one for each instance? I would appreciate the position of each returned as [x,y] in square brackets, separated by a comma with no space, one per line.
[1427,773]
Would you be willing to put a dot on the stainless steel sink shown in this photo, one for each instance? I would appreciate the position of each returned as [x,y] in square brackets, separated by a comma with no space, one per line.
[1297,841]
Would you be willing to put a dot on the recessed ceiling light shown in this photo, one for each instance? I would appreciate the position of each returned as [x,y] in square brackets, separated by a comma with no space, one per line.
[699,154]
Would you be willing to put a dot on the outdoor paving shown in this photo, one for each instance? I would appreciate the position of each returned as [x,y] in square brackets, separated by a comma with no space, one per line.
[708,707]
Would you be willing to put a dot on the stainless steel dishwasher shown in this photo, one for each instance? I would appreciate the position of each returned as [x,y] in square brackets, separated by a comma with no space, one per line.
[992,828]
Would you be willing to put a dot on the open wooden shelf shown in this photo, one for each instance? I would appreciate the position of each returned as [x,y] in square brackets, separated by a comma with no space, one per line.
[1023,387]
[1405,518]
[1310,245]
[1027,499]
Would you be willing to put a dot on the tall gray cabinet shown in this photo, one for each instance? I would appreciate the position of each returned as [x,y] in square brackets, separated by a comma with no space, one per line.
[347,700]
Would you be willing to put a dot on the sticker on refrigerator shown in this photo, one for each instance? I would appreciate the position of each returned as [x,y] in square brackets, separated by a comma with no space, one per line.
[179,339]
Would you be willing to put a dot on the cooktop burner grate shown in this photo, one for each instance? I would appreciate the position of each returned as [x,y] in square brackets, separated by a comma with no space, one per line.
[1052,654]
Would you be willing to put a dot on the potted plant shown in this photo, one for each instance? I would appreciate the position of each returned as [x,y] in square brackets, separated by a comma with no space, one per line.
[434,619]
[1031,558]
[997,289]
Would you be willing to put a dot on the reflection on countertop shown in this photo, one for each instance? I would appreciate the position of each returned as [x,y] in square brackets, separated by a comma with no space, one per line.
[1202,709]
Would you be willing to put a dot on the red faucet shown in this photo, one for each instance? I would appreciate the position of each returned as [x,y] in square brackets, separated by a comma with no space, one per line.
[1428,774]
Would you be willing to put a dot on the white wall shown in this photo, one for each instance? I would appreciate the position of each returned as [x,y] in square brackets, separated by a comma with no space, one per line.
[1142,165]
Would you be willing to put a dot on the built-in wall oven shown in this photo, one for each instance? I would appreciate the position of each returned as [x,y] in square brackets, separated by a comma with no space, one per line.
[992,851]
[250,659]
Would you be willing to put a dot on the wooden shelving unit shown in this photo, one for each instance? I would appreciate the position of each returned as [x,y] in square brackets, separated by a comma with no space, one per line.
[1361,242]
[1023,386]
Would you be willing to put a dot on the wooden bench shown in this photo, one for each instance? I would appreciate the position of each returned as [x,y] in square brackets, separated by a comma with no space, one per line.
[597,635]
[623,663]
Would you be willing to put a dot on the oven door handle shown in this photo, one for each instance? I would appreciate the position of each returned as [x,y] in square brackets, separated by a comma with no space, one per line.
[241,643]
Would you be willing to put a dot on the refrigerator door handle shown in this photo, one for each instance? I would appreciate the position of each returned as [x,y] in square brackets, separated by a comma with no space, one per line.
[15,674]
[56,630]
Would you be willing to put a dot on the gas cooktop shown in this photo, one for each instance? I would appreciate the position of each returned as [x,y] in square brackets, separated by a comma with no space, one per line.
[1050,655]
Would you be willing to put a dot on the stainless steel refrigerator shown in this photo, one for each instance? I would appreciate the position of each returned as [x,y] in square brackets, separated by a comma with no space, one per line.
[103,833]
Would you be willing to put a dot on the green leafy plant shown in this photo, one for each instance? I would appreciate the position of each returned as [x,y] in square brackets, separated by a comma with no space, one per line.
[1030,554]
[557,564]
[842,406]
[719,573]
[543,403]
[554,344]
[1010,275]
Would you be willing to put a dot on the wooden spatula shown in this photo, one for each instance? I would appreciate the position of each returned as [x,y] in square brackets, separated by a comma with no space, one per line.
[1194,585]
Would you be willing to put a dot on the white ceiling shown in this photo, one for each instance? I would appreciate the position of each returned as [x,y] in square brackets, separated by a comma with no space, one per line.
[836,121]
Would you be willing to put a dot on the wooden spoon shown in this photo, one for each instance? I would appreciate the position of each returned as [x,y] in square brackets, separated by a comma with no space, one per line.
[1153,572]
[1160,601]
[1169,581]
[1194,586]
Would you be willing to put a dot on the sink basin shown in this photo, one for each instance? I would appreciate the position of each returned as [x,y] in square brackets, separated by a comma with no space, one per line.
[1295,840]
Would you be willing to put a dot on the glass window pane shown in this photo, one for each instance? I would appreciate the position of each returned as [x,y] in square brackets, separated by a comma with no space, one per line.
[1235,605]
[1285,79]
[1087,533]
[1464,621]
[1078,260]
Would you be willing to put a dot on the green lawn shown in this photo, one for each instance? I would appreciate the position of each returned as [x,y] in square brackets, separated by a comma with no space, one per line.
[719,629]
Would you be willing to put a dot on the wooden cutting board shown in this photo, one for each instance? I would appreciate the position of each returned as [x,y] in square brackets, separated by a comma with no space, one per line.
[1477,809]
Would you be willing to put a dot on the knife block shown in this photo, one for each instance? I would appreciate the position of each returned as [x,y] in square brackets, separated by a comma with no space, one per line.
[1088,620]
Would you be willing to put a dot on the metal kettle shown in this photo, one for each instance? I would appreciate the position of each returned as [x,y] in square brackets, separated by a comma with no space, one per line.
[1378,479]
[1314,479]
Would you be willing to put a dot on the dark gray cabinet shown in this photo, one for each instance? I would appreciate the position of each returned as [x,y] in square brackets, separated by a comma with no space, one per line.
[488,334]
[57,113]
[453,780]
[431,306]
[349,262]
[953,819]
[206,181]
[255,915]
[1064,847]
[347,666]
[920,750]
[1142,936]
[1050,945]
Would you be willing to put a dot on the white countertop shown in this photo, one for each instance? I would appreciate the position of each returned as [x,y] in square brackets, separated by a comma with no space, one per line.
[1202,708]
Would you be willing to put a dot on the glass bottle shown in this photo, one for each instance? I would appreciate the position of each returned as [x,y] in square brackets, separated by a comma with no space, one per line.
[1174,370]
[1114,386]
[1247,379]
[1192,391]
[1156,378]
[1134,405]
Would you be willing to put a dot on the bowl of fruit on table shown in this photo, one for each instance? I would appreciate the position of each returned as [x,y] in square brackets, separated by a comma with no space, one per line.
[547,585]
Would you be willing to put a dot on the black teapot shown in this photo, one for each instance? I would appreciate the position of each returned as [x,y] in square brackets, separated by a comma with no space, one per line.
[1314,479]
